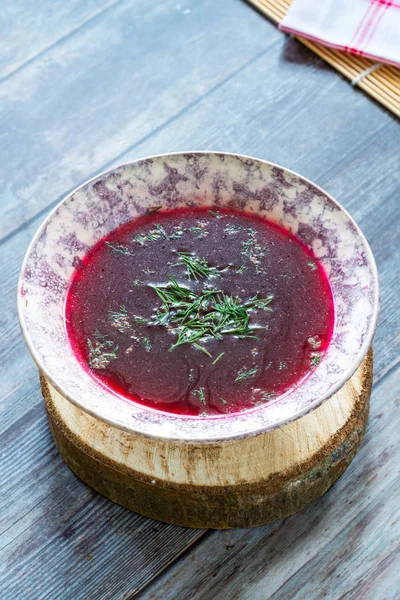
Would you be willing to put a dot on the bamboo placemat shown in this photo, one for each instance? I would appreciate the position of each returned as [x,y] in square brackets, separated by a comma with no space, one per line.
[380,81]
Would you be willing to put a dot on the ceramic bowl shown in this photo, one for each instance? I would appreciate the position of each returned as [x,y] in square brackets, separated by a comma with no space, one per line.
[197,178]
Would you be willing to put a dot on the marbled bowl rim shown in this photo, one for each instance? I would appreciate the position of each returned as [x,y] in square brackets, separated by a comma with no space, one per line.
[235,436]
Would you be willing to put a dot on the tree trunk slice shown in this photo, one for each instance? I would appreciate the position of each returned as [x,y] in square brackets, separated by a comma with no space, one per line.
[233,484]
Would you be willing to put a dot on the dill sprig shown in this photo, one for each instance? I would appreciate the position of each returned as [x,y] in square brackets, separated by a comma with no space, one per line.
[243,374]
[253,250]
[196,317]
[101,351]
[218,357]
[200,394]
[315,359]
[232,229]
[119,248]
[120,320]
[199,231]
[196,267]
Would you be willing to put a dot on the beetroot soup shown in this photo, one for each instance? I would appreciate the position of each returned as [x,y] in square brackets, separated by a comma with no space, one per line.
[199,312]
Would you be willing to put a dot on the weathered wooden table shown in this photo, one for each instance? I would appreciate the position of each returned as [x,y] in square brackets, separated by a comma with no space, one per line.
[86,85]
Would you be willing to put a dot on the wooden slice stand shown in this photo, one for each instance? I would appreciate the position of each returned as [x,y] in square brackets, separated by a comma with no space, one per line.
[242,483]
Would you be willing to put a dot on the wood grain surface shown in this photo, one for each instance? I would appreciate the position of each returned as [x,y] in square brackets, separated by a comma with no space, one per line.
[230,485]
[88,85]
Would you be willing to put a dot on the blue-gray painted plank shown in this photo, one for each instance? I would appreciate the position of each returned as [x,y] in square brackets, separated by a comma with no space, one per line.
[29,28]
[64,540]
[108,86]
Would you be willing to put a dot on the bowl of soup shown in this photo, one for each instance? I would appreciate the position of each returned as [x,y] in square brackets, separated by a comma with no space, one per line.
[198,296]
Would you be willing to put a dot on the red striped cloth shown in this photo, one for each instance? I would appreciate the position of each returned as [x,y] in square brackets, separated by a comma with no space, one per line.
[369,28]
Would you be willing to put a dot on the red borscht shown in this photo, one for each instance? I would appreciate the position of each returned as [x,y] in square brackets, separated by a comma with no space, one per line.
[199,312]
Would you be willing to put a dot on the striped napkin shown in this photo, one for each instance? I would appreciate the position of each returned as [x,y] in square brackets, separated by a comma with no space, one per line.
[369,28]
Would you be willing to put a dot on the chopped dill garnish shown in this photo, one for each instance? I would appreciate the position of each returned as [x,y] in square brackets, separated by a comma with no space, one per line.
[282,365]
[145,341]
[199,231]
[120,248]
[315,359]
[200,348]
[138,282]
[120,319]
[253,250]
[314,342]
[140,239]
[191,376]
[196,267]
[196,317]
[200,394]
[267,395]
[312,265]
[153,209]
[100,352]
[218,357]
[241,269]
[223,401]
[157,233]
[177,233]
[139,319]
[232,229]
[215,214]
[243,374]
[268,366]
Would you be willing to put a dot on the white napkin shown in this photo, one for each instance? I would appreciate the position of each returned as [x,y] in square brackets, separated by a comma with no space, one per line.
[369,28]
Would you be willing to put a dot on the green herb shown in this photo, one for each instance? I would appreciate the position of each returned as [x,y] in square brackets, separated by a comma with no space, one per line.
[253,250]
[282,365]
[177,233]
[223,401]
[138,282]
[312,265]
[232,229]
[199,348]
[315,359]
[200,394]
[267,396]
[199,231]
[118,248]
[268,366]
[191,376]
[241,269]
[215,214]
[195,317]
[120,320]
[139,319]
[100,352]
[218,357]
[140,239]
[315,342]
[196,267]
[145,341]
[152,236]
[243,374]
[153,209]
